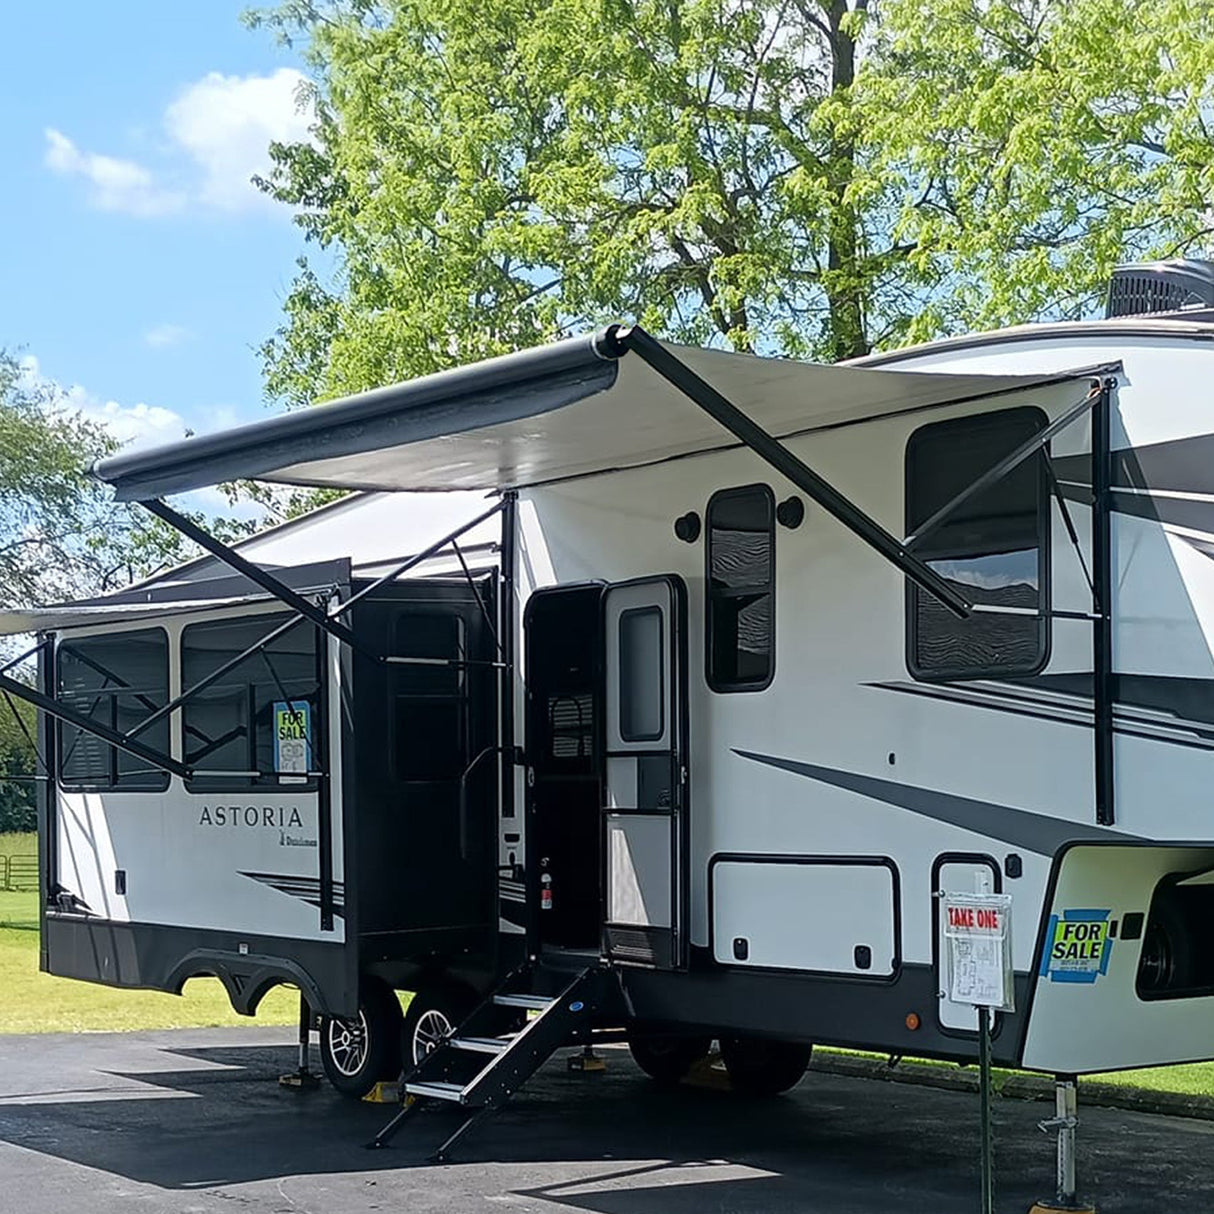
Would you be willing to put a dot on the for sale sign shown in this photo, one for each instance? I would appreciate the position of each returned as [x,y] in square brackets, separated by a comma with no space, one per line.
[978,949]
[292,736]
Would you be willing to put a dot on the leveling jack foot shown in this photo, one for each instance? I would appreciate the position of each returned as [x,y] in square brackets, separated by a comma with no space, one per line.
[301,1081]
[587,1061]
[1065,1121]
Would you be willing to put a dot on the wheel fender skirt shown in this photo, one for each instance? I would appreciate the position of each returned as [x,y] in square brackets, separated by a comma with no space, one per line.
[248,976]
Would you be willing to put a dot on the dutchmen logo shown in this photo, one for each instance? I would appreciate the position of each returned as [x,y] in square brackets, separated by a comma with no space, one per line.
[1077,946]
[277,817]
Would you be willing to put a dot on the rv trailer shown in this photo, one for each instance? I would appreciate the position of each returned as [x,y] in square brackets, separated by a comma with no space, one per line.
[301,814]
[791,650]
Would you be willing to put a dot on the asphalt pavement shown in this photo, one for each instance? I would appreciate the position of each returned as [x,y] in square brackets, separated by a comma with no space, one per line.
[195,1121]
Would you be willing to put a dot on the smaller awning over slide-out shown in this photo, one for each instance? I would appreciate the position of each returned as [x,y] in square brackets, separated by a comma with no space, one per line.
[73,615]
[575,408]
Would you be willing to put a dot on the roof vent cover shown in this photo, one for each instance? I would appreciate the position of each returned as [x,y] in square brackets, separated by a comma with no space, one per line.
[1160,286]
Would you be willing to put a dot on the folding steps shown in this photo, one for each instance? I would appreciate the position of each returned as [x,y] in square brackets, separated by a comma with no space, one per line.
[480,1066]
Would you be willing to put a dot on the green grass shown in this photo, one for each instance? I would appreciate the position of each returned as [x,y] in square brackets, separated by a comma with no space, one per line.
[25,844]
[34,1002]
[1191,1079]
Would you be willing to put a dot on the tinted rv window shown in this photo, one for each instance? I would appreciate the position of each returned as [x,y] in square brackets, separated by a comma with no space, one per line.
[741,588]
[994,547]
[429,704]
[254,727]
[642,671]
[116,680]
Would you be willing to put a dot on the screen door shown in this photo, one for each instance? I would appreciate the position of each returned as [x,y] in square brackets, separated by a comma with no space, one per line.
[645,817]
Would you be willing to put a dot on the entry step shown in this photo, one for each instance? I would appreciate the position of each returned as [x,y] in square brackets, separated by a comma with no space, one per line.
[437,1091]
[533,1003]
[480,1045]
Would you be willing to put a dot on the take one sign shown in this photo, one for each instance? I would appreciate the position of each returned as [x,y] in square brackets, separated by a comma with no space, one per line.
[978,949]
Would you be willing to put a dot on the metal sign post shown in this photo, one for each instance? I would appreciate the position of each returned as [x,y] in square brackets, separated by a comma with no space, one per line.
[978,935]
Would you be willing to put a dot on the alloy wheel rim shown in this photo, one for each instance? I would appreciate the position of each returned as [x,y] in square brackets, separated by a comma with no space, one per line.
[348,1044]
[432,1028]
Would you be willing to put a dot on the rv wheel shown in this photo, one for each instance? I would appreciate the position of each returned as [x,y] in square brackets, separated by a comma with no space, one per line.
[668,1059]
[758,1067]
[357,1054]
[434,1012]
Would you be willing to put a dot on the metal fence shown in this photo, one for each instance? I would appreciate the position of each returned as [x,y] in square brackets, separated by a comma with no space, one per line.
[18,872]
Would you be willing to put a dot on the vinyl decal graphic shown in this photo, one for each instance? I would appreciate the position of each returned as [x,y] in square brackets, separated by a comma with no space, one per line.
[1077,946]
[307,889]
[1035,832]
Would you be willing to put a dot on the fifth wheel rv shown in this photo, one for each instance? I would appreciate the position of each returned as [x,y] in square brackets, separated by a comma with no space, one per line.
[780,652]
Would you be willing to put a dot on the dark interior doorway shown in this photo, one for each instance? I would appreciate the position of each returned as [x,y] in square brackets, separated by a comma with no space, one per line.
[564,681]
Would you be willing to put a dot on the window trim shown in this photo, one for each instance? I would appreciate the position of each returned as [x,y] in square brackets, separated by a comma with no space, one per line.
[645,609]
[1044,557]
[112,785]
[715,684]
[203,781]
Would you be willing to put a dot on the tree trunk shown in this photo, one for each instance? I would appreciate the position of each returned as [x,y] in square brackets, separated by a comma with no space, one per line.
[844,289]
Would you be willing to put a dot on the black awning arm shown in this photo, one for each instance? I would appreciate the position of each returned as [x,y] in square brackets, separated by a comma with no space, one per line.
[61,712]
[258,576]
[39,757]
[22,657]
[215,675]
[448,541]
[1006,465]
[770,449]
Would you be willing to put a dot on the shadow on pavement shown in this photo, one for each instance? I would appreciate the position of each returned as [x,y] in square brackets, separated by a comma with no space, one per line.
[626,1146]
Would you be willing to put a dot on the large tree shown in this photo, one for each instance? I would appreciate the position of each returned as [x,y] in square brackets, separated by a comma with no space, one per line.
[1039,142]
[798,176]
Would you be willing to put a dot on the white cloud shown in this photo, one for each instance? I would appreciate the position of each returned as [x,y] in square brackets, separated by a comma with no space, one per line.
[218,132]
[165,334]
[115,185]
[225,124]
[135,426]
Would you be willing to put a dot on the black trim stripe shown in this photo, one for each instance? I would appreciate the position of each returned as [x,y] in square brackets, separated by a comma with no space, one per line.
[306,889]
[1040,833]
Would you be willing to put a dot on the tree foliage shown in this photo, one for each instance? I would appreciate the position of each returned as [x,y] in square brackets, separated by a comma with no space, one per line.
[811,177]
[1039,143]
[61,534]
[17,767]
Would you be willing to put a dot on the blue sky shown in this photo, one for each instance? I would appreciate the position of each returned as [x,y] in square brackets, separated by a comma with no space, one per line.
[138,267]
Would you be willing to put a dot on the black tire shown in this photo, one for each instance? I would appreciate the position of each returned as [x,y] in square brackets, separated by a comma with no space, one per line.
[1166,960]
[434,1012]
[358,1054]
[667,1059]
[759,1067]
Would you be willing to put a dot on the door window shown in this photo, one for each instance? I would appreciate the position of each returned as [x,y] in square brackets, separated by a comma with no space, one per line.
[642,675]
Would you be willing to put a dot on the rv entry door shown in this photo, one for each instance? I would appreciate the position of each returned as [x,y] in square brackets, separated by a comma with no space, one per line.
[645,818]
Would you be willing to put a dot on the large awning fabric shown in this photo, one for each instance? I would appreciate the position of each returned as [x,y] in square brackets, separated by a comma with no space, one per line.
[571,409]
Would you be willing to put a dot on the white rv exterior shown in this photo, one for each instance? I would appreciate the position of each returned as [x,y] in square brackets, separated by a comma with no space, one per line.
[780,752]
[829,808]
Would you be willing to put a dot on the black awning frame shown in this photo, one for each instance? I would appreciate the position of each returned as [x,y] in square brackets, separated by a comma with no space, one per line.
[304,610]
